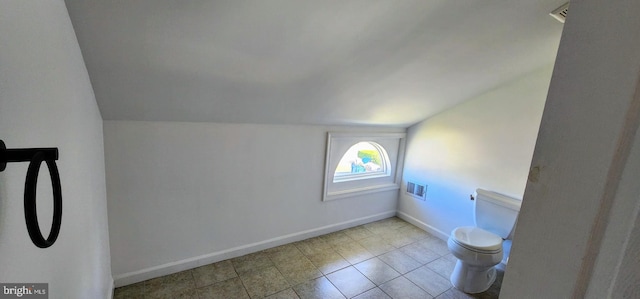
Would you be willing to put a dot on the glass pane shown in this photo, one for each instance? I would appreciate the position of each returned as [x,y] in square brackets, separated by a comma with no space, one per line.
[363,157]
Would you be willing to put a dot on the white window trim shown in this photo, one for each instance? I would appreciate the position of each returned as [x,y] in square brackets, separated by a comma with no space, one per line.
[332,157]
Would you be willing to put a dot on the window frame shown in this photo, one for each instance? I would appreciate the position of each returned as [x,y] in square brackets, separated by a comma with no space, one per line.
[338,144]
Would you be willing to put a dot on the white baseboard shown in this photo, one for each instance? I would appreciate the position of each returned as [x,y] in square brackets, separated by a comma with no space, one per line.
[430,229]
[502,266]
[190,263]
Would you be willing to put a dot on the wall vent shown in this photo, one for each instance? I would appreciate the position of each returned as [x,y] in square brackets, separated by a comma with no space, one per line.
[560,13]
[417,190]
[410,187]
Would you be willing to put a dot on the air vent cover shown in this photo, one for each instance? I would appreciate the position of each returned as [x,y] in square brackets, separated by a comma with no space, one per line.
[417,190]
[560,13]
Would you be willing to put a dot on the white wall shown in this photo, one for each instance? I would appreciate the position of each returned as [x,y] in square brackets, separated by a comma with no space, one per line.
[486,142]
[46,100]
[578,210]
[186,194]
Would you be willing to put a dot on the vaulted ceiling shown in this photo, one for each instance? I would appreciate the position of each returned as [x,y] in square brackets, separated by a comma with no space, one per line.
[369,62]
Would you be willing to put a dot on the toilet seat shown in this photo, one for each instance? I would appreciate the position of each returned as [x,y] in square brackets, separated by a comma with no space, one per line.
[477,239]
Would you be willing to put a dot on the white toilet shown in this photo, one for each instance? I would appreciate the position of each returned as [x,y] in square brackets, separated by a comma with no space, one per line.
[479,248]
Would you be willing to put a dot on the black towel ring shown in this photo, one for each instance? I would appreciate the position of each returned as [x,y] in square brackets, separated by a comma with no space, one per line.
[36,156]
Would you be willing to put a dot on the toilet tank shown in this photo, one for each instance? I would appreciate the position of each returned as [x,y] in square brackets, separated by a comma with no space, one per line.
[496,212]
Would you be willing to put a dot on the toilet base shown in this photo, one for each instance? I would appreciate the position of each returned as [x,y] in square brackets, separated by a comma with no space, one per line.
[472,280]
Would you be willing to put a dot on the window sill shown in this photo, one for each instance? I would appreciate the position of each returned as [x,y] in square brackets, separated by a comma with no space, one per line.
[360,191]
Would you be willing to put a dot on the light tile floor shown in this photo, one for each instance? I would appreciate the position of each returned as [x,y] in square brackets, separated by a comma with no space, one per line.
[389,258]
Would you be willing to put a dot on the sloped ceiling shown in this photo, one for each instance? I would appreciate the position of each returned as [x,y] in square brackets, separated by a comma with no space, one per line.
[366,62]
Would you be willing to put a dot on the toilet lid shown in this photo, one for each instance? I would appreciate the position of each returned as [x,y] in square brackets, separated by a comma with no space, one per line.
[477,238]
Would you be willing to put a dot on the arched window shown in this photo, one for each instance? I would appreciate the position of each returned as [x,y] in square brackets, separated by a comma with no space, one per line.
[363,160]
[362,163]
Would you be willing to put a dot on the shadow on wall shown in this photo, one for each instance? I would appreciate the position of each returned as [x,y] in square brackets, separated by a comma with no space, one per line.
[486,142]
